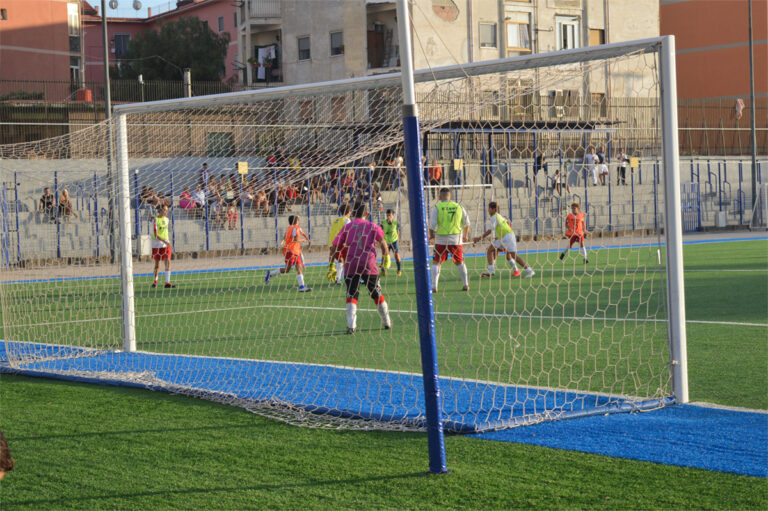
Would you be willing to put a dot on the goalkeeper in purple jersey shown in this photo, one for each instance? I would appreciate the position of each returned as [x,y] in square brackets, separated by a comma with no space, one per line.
[360,238]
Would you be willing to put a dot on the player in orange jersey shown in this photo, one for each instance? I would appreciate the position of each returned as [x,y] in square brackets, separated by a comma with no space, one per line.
[292,251]
[575,230]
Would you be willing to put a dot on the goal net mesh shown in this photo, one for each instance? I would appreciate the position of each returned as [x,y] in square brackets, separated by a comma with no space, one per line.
[575,338]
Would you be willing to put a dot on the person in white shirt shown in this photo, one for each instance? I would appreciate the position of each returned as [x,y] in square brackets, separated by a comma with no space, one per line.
[621,170]
[590,163]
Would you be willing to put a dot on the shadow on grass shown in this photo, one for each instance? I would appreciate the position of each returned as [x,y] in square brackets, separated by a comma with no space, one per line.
[202,491]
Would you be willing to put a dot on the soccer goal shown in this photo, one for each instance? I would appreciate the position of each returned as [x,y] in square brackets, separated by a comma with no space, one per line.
[597,328]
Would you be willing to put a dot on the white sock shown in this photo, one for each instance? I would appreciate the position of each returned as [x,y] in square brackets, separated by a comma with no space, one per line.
[583,251]
[512,264]
[435,275]
[168,276]
[274,272]
[339,272]
[300,278]
[351,315]
[463,272]
[491,268]
[384,313]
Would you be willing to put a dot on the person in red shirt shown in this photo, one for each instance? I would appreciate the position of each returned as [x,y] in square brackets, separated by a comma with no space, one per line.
[435,175]
[575,230]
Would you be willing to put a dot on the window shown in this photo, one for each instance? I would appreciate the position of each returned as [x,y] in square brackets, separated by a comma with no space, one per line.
[3,14]
[304,48]
[339,109]
[596,36]
[121,45]
[337,43]
[235,19]
[221,23]
[487,35]
[74,72]
[219,144]
[567,32]
[598,107]
[205,23]
[73,19]
[307,111]
[518,34]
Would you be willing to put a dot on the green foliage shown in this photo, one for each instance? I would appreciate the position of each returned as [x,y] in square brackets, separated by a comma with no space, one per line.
[187,42]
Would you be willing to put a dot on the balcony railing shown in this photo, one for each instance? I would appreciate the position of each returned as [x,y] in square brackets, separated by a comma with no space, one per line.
[265,8]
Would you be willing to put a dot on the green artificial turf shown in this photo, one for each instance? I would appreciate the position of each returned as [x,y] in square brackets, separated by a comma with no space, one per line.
[80,446]
[90,447]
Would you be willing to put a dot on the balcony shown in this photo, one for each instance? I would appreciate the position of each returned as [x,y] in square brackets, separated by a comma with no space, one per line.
[265,8]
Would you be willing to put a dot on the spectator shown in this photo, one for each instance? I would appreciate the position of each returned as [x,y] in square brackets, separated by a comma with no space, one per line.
[199,197]
[6,461]
[560,181]
[45,205]
[435,176]
[540,163]
[590,164]
[621,170]
[205,174]
[186,202]
[262,202]
[231,216]
[66,209]
[603,168]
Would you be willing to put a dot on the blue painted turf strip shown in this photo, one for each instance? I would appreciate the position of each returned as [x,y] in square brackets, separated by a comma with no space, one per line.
[688,436]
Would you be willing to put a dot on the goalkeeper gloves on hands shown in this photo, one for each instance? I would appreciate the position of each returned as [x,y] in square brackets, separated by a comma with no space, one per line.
[331,275]
[386,263]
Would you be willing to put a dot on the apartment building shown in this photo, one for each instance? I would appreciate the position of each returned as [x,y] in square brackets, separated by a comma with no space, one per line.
[316,41]
[41,40]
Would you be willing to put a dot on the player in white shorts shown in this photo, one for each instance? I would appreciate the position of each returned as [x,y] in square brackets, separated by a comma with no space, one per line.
[505,242]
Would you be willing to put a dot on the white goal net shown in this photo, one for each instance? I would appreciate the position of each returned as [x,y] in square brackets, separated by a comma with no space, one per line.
[587,332]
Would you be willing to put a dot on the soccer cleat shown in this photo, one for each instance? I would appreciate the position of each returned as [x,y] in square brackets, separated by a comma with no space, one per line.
[350,331]
[338,282]
[516,273]
[399,273]
[267,277]
[465,288]
[529,272]
[305,289]
[168,285]
[383,272]
[562,255]
[154,284]
[486,274]
[434,290]
[586,261]
[387,327]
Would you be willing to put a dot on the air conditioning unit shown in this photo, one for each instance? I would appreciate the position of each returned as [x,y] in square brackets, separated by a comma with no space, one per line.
[559,111]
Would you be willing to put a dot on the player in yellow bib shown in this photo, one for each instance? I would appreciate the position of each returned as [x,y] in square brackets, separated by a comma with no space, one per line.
[337,273]
[161,245]
[392,235]
[449,227]
[505,242]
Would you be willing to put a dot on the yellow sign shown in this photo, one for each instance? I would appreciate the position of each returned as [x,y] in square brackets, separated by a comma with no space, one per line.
[634,163]
[242,167]
[458,164]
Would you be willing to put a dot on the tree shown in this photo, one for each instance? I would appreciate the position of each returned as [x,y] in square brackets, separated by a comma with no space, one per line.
[187,42]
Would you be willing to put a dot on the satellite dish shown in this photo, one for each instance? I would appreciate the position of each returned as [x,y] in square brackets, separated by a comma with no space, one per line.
[136,5]
[113,4]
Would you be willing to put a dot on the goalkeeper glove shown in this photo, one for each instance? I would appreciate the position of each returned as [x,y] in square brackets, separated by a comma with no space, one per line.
[386,263]
[331,275]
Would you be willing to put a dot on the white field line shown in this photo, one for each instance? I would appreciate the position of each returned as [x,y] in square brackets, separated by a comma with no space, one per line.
[402,311]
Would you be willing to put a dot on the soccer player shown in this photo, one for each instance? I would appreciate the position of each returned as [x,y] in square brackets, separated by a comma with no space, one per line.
[360,238]
[449,227]
[292,252]
[391,236]
[575,229]
[505,241]
[161,245]
[337,273]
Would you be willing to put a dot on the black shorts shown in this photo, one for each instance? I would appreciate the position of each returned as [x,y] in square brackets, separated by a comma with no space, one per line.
[394,247]
[353,286]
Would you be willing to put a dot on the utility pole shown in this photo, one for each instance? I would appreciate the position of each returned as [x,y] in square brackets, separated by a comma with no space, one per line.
[752,112]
